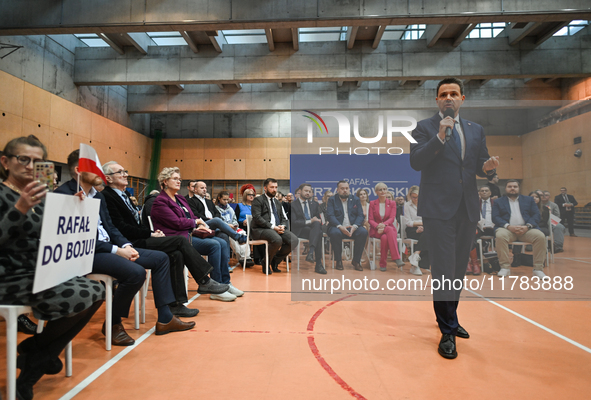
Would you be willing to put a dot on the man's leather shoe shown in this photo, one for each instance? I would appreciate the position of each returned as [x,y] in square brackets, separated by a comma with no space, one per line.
[276,269]
[340,266]
[476,270]
[573,235]
[447,346]
[25,325]
[310,257]
[357,266]
[516,261]
[558,250]
[118,336]
[462,333]
[320,269]
[469,270]
[175,325]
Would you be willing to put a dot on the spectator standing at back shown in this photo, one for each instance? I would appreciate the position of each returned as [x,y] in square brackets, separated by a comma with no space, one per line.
[567,203]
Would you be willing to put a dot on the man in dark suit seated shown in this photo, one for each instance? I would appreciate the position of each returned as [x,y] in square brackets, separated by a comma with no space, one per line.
[205,210]
[115,256]
[516,218]
[345,220]
[179,250]
[269,223]
[306,224]
[450,152]
[567,203]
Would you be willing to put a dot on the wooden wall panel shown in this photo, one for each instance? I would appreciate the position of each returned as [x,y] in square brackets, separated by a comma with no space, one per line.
[32,128]
[11,126]
[60,145]
[215,148]
[214,168]
[192,169]
[12,91]
[255,169]
[278,168]
[36,104]
[61,114]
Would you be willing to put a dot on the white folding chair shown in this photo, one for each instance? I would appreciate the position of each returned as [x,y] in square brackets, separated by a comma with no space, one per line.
[550,238]
[10,314]
[352,241]
[479,242]
[404,239]
[108,281]
[250,242]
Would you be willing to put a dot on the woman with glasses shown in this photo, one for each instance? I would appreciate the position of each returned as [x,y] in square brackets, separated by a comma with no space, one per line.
[68,306]
[172,214]
[243,209]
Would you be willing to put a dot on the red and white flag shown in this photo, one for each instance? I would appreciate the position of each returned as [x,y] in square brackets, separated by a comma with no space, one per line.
[554,220]
[89,161]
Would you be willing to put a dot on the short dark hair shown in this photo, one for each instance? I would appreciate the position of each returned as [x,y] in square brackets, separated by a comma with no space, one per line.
[269,180]
[191,181]
[73,162]
[342,181]
[303,185]
[222,194]
[11,146]
[511,181]
[563,188]
[449,81]
[491,177]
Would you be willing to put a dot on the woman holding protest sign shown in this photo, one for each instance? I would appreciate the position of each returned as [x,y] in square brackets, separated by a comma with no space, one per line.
[68,306]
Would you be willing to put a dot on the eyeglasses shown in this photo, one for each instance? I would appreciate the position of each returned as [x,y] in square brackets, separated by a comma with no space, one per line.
[24,160]
[176,179]
[122,172]
[250,194]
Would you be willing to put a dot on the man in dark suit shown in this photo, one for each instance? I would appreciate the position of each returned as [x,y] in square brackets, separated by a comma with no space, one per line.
[306,223]
[204,209]
[179,250]
[345,221]
[115,256]
[567,203]
[449,198]
[269,223]
[516,218]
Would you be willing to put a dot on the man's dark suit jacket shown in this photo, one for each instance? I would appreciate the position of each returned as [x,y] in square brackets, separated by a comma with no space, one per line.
[501,212]
[445,177]
[71,187]
[298,219]
[122,218]
[335,214]
[261,213]
[559,200]
[198,209]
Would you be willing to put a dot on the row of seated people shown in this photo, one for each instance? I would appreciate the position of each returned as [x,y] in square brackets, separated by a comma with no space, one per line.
[125,256]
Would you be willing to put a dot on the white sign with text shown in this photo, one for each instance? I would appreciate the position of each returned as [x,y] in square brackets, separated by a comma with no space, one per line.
[68,239]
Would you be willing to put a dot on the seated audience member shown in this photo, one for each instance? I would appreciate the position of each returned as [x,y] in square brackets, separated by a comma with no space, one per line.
[135,204]
[516,218]
[345,218]
[244,208]
[173,216]
[414,230]
[495,192]
[147,209]
[544,213]
[390,196]
[363,196]
[67,307]
[306,224]
[269,223]
[115,256]
[279,197]
[288,198]
[399,208]
[179,250]
[228,215]
[205,210]
[567,203]
[559,229]
[485,227]
[381,216]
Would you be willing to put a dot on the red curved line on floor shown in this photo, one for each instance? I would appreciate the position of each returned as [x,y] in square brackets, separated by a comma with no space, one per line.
[318,356]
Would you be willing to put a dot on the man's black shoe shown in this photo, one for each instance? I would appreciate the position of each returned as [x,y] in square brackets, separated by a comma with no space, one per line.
[25,325]
[558,250]
[320,269]
[357,266]
[340,266]
[447,346]
[516,261]
[310,257]
[462,333]
[276,269]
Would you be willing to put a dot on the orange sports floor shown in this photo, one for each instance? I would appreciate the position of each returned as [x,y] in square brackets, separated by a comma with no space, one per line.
[264,346]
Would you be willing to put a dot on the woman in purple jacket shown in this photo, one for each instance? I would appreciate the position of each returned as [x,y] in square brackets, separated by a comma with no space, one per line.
[173,216]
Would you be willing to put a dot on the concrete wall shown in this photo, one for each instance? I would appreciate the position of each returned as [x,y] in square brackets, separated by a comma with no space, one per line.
[62,125]
[549,163]
[48,63]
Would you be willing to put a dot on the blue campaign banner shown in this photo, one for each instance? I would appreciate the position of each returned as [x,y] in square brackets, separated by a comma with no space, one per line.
[361,171]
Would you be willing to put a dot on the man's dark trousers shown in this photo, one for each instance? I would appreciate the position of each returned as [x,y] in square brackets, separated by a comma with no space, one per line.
[451,240]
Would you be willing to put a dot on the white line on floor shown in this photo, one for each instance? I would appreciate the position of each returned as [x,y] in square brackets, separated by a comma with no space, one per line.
[574,259]
[82,385]
[580,346]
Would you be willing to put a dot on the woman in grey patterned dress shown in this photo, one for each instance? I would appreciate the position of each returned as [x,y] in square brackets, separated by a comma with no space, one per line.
[68,306]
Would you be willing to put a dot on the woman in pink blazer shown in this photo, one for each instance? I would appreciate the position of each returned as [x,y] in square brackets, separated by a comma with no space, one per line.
[381,216]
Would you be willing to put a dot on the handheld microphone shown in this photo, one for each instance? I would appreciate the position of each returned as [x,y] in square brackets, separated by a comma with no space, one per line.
[448,112]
